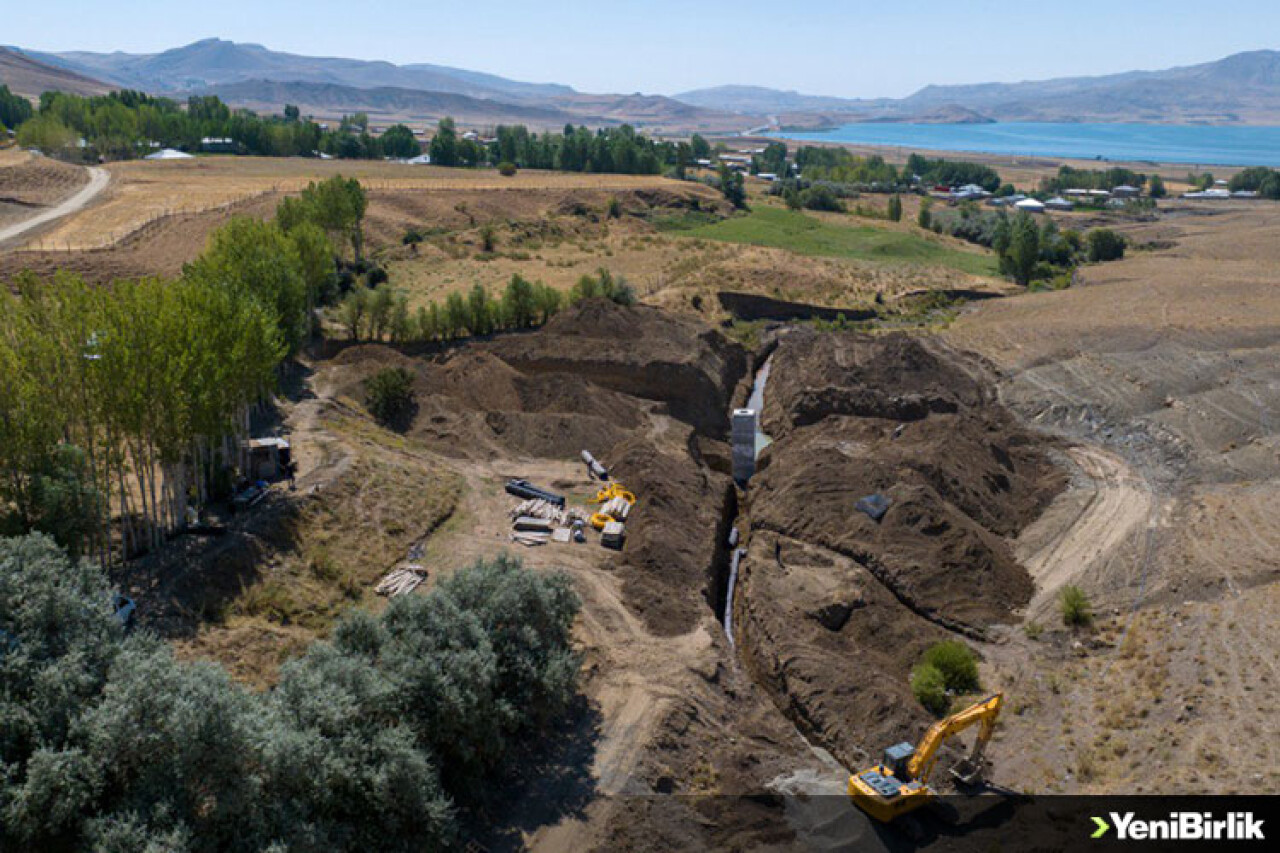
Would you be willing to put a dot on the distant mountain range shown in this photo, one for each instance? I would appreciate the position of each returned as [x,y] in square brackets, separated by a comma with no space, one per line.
[253,76]
[28,76]
[1240,89]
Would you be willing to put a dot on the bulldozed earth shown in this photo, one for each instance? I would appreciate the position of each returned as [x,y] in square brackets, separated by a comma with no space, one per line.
[684,739]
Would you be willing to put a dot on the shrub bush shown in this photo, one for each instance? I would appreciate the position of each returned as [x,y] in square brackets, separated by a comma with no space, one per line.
[389,395]
[957,664]
[1105,245]
[821,197]
[930,689]
[506,169]
[1076,609]
[370,741]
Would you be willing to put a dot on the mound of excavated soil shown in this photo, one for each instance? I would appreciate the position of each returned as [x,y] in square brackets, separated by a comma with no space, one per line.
[609,379]
[639,351]
[835,608]
[675,534]
[894,376]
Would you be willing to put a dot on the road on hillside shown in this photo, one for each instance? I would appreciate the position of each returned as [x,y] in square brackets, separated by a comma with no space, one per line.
[98,179]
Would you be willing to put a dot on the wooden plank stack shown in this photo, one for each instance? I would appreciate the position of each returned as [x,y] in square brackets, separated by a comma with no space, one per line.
[401,581]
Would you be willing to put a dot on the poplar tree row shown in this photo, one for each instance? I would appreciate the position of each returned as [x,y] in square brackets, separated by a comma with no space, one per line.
[124,399]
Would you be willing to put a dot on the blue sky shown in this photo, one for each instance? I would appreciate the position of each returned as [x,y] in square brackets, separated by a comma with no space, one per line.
[854,49]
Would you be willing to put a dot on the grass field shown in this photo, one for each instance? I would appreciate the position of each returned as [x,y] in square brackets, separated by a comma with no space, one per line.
[806,235]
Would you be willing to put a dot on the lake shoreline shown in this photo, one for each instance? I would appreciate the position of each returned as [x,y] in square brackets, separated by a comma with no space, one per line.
[1258,145]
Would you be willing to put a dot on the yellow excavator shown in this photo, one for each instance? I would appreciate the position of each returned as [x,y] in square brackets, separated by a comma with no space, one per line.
[900,782]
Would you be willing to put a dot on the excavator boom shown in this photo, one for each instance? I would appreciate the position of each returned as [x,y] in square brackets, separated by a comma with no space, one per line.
[926,756]
[900,783]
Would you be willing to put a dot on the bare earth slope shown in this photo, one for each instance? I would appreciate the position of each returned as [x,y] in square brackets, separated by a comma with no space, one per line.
[1164,368]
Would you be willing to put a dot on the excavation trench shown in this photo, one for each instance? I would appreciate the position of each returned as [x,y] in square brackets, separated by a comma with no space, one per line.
[730,552]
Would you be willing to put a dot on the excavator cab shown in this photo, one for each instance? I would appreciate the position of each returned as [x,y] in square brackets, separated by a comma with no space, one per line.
[900,783]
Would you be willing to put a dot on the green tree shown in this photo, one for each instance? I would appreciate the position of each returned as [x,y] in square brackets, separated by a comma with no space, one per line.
[733,187]
[46,133]
[254,257]
[700,149]
[316,262]
[444,145]
[1156,188]
[479,311]
[930,689]
[337,205]
[488,238]
[957,664]
[14,109]
[1075,606]
[895,208]
[61,501]
[389,396]
[519,303]
[352,311]
[1024,249]
[925,217]
[457,316]
[399,141]
[1104,245]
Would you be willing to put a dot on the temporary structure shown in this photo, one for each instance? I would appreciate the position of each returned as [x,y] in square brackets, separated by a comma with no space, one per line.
[169,154]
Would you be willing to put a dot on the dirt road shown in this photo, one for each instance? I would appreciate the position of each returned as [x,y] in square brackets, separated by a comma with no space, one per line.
[1106,509]
[98,180]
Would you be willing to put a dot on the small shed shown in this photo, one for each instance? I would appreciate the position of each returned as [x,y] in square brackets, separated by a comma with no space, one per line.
[265,458]
[1031,205]
[1059,203]
[1125,191]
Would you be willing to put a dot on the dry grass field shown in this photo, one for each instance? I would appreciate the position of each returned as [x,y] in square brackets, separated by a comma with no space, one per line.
[29,183]
[142,191]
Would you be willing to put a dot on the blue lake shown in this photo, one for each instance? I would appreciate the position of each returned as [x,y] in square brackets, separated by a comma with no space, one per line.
[1164,143]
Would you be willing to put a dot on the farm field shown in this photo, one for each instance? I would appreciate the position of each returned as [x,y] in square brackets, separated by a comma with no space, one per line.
[143,192]
[828,236]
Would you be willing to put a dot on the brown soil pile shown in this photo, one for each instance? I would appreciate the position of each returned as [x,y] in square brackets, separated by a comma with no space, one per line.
[675,534]
[609,379]
[39,181]
[894,377]
[640,351]
[835,607]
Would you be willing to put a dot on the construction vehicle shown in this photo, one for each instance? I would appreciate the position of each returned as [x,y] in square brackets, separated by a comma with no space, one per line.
[900,782]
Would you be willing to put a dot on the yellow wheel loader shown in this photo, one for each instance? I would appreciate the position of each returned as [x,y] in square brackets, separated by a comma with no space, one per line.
[900,782]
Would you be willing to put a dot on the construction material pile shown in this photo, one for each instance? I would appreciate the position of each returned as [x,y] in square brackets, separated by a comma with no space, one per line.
[401,581]
[544,517]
